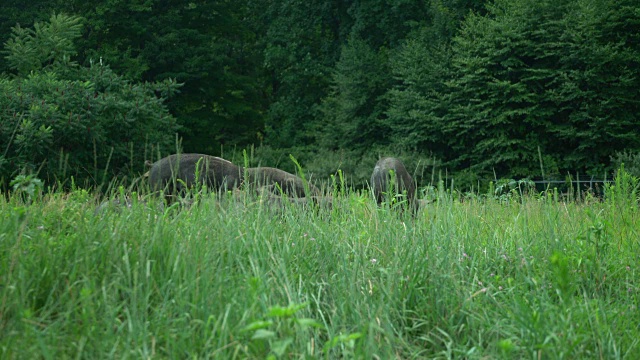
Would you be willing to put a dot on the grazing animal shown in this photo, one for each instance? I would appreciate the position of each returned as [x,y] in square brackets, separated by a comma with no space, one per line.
[403,182]
[176,173]
[275,180]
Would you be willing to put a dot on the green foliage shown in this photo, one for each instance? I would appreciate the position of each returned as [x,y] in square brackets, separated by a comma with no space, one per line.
[623,193]
[542,74]
[630,160]
[300,48]
[354,111]
[208,46]
[384,24]
[489,89]
[63,120]
[272,339]
[536,277]
[506,189]
[211,48]
[26,187]
[48,46]
[526,84]
[418,102]
[345,341]
[17,12]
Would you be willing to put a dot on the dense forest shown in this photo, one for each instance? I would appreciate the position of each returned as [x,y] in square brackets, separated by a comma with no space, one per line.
[477,89]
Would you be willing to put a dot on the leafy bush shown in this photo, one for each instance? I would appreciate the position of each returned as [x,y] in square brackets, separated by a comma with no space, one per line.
[61,120]
[629,159]
[27,187]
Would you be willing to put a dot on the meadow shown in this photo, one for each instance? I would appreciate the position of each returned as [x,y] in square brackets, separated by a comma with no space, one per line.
[469,277]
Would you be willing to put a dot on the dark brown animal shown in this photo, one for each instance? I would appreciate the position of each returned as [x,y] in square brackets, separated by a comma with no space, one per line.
[176,173]
[403,183]
[277,180]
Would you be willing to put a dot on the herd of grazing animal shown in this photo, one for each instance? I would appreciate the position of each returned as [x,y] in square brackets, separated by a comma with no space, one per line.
[391,183]
[176,173]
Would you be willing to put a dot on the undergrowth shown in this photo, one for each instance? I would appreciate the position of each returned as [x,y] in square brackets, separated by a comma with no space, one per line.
[228,276]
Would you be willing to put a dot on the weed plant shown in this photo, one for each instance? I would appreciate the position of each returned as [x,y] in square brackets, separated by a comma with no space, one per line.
[230,277]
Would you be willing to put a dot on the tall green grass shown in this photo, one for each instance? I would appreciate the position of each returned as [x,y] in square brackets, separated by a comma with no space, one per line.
[232,278]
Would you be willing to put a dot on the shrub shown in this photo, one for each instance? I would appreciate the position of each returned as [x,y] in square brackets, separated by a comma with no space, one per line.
[61,120]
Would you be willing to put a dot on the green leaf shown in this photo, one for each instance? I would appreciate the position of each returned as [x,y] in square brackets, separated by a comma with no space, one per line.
[306,322]
[263,334]
[285,312]
[257,325]
[280,347]
[341,339]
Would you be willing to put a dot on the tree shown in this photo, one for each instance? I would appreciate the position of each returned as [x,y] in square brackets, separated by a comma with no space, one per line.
[47,46]
[384,24]
[556,76]
[353,112]
[210,46]
[23,13]
[300,49]
[597,83]
[61,119]
[421,67]
[418,101]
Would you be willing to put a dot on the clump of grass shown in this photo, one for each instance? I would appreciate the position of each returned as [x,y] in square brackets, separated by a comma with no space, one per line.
[227,277]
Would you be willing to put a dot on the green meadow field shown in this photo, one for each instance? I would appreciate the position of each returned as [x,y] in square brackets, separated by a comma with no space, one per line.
[469,277]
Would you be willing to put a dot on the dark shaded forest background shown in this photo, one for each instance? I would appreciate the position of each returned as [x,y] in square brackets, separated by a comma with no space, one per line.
[472,89]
